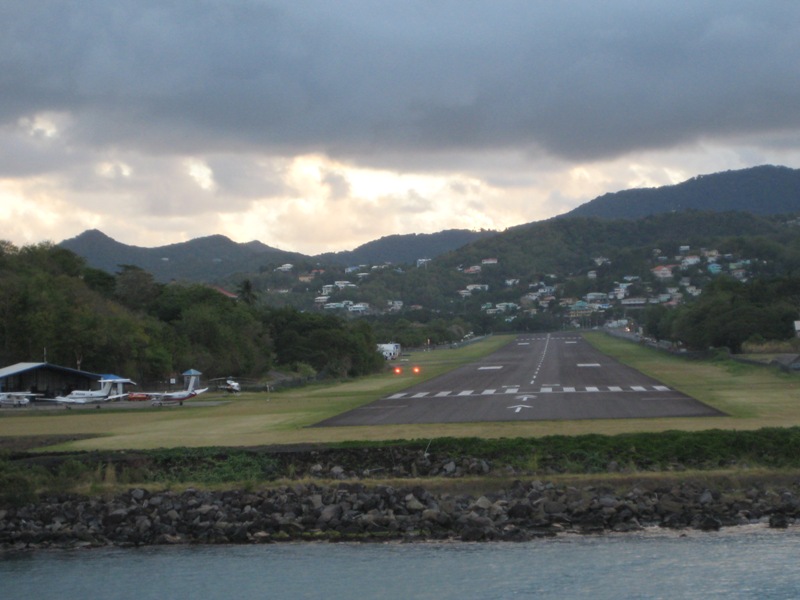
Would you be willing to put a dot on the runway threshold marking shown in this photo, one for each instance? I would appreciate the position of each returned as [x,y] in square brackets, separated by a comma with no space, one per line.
[540,390]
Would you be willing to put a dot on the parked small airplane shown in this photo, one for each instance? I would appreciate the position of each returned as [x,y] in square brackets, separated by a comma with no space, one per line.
[96,396]
[171,398]
[16,399]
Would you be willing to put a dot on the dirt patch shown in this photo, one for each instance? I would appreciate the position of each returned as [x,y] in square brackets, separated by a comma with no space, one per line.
[33,442]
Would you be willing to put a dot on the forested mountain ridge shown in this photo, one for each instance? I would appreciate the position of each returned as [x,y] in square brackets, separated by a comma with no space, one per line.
[569,245]
[216,257]
[202,259]
[405,249]
[762,190]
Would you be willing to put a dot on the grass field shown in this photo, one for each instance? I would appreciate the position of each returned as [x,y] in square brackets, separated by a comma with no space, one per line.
[752,396]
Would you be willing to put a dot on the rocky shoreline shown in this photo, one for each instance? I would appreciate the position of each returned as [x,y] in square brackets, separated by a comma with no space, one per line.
[354,511]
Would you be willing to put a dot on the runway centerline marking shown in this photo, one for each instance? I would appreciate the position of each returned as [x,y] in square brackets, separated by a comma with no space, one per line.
[492,368]
[588,364]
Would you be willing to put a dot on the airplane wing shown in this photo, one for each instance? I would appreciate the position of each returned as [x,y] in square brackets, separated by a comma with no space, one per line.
[87,399]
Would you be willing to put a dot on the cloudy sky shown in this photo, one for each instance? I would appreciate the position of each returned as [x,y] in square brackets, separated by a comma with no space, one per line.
[323,124]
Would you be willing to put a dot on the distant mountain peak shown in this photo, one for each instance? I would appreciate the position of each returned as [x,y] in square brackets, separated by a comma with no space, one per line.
[763,190]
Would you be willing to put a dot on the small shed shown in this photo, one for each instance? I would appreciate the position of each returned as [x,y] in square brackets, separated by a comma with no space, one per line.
[191,379]
[45,378]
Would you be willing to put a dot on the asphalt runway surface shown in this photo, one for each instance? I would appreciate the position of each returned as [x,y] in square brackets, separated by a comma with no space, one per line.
[538,377]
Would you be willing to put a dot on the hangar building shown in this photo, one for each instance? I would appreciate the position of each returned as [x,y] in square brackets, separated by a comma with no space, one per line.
[44,378]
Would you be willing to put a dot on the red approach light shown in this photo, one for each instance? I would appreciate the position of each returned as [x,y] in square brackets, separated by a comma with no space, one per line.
[398,370]
[416,370]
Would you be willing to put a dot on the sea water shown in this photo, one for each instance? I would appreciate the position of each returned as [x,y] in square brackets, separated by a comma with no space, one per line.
[743,562]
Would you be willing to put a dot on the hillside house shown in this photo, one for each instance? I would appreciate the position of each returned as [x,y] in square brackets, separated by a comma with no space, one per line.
[690,261]
[662,271]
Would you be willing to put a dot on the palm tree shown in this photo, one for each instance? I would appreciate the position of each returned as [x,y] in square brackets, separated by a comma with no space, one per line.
[246,292]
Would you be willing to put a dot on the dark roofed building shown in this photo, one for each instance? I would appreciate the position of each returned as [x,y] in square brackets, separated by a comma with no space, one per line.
[44,378]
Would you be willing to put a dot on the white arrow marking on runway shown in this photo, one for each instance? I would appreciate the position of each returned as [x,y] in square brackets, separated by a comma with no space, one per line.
[519,407]
[526,398]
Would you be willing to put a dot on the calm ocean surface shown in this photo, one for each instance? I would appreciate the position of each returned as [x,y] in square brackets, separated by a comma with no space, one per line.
[740,563]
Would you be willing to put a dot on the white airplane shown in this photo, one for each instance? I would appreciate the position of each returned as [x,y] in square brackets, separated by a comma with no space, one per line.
[16,399]
[171,398]
[97,396]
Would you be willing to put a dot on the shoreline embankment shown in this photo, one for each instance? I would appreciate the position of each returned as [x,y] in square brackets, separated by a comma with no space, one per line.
[353,511]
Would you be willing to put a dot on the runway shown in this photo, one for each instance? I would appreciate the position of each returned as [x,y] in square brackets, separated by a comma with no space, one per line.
[555,376]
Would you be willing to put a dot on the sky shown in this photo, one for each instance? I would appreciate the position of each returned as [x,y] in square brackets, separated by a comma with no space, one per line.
[320,125]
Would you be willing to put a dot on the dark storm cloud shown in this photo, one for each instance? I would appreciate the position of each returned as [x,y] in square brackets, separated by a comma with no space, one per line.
[578,80]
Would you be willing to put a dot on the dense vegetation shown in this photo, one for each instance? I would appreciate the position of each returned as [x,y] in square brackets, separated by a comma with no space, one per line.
[729,313]
[22,477]
[55,308]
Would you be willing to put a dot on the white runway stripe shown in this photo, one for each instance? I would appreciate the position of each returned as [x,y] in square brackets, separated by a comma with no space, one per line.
[541,390]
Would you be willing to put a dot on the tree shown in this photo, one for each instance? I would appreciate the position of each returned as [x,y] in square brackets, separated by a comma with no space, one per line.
[246,292]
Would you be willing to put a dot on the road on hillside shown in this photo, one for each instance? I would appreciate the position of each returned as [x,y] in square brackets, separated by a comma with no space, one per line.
[556,376]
